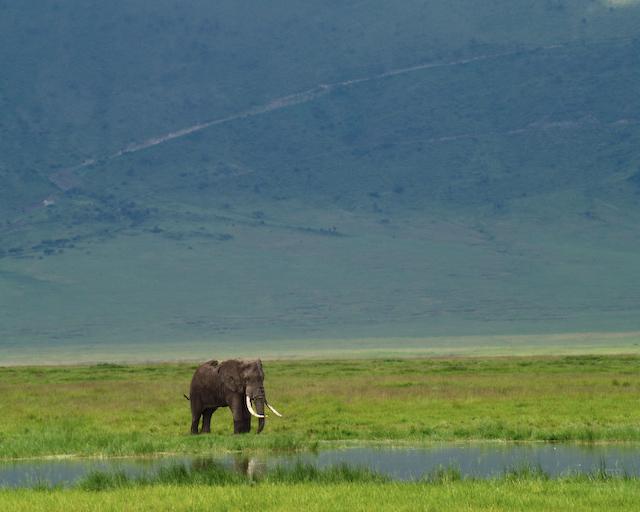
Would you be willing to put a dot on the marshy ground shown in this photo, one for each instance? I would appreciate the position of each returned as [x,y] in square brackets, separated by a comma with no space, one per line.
[118,410]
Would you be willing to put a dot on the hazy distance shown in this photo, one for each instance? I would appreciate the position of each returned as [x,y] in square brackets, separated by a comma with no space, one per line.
[180,179]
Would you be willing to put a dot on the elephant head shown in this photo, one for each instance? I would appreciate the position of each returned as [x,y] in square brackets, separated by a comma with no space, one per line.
[247,377]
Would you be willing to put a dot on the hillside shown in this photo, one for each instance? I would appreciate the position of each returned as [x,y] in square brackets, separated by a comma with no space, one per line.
[227,173]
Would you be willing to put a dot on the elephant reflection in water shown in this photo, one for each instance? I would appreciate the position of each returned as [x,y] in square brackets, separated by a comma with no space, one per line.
[250,466]
[234,383]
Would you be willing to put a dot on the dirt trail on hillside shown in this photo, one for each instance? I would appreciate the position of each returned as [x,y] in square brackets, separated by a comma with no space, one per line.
[68,178]
[65,179]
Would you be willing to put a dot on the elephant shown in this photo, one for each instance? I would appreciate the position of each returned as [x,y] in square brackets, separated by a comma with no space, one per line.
[234,383]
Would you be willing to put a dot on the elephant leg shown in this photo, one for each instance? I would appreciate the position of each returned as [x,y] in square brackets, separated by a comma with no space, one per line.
[196,412]
[238,409]
[206,420]
[195,421]
[241,427]
[247,420]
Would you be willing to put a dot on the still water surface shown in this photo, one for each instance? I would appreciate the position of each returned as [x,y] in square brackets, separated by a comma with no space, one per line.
[472,460]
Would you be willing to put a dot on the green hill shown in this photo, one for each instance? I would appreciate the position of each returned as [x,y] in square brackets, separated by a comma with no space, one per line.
[218,174]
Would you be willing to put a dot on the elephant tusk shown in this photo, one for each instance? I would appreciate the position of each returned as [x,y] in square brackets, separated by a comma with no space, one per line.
[253,413]
[273,410]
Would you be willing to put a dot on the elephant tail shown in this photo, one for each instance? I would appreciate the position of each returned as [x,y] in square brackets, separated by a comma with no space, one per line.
[186,397]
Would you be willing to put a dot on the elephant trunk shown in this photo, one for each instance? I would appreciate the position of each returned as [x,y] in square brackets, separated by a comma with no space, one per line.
[259,402]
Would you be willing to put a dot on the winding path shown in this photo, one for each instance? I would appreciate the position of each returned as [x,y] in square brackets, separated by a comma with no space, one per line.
[65,179]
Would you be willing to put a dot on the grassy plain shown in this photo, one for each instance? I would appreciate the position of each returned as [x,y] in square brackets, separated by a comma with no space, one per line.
[335,488]
[559,344]
[495,495]
[116,410]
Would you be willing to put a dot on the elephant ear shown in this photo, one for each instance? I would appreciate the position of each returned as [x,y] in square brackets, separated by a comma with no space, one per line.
[230,372]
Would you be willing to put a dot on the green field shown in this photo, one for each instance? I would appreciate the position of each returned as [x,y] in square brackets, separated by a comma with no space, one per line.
[347,492]
[117,410]
[494,496]
[109,409]
[423,215]
[580,343]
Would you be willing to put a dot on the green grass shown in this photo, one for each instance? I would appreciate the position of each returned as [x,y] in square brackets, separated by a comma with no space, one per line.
[506,494]
[114,410]
[212,473]
[180,487]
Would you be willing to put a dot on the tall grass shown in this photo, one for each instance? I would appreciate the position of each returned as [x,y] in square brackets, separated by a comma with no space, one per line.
[303,487]
[114,410]
[495,496]
[209,472]
[305,473]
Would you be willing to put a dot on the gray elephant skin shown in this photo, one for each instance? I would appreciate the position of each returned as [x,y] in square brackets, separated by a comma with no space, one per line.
[235,383]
